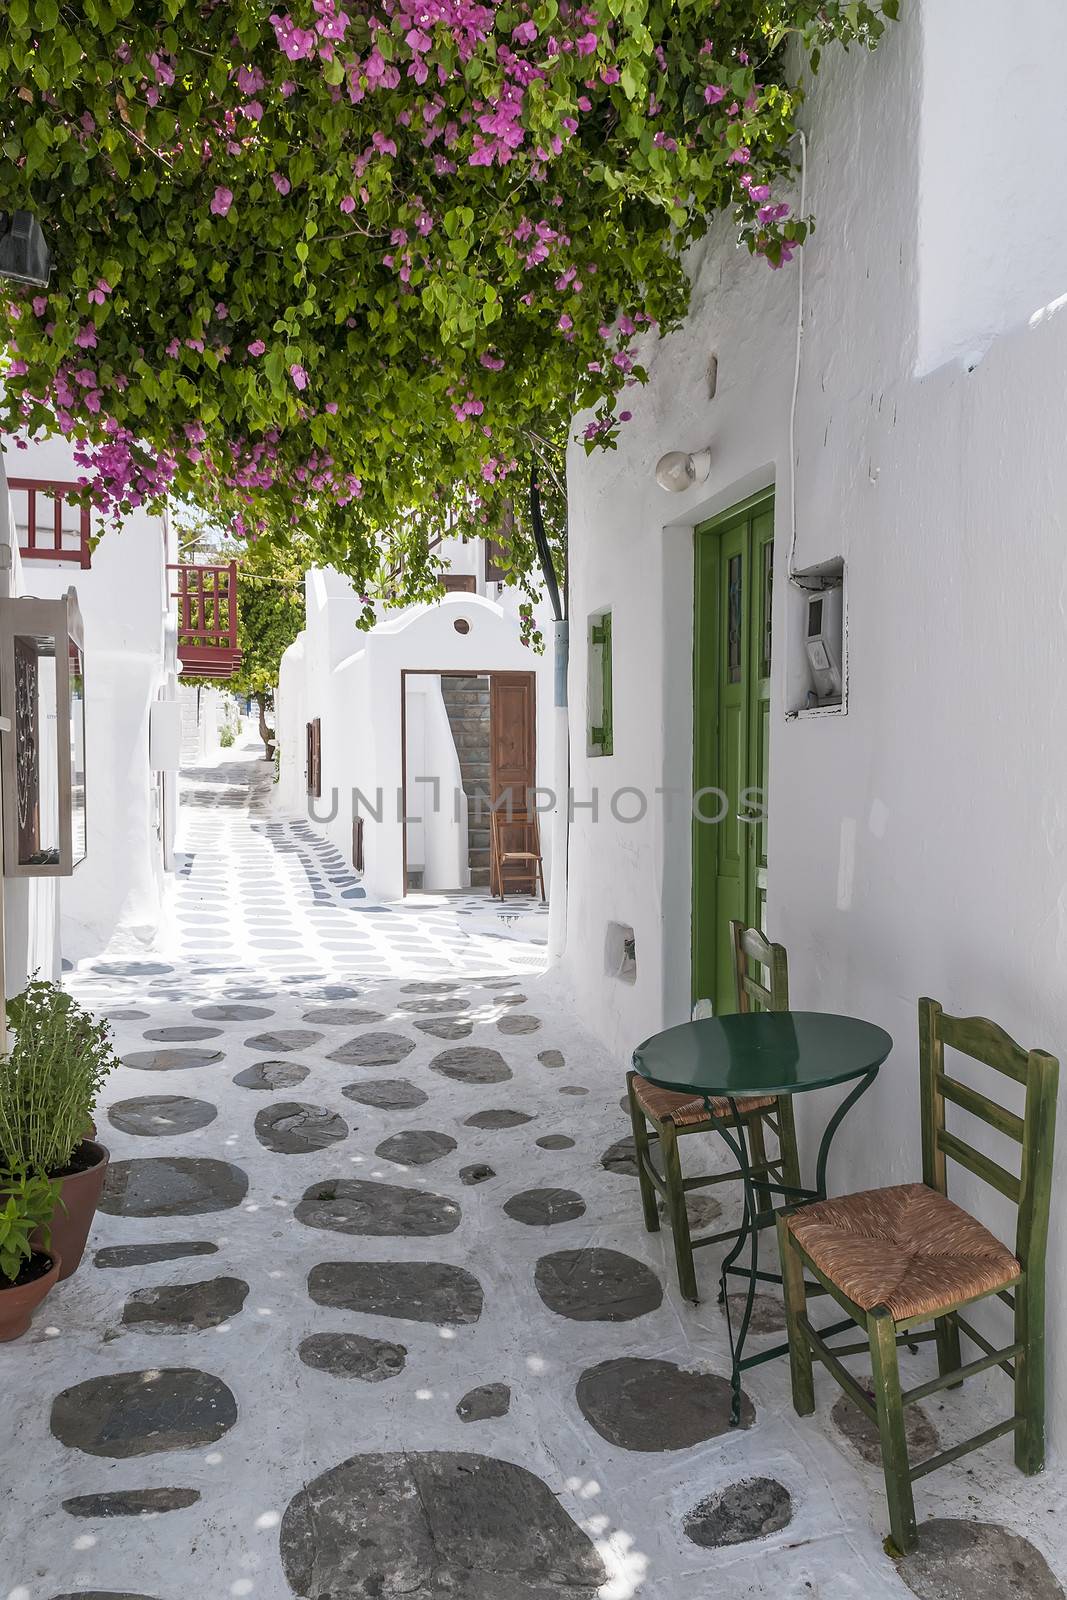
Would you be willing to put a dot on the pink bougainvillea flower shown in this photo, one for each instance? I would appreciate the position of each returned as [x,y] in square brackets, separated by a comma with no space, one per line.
[298,375]
[741,156]
[586,45]
[250,80]
[713,93]
[280,182]
[625,416]
[348,204]
[98,295]
[40,305]
[773,213]
[331,407]
[525,33]
[221,201]
[85,338]
[222,311]
[610,74]
[174,349]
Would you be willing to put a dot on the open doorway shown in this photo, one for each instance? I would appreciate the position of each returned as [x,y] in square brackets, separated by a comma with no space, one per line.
[469,741]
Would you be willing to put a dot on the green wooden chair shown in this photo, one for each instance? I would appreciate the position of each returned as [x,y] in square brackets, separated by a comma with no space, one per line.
[672,1115]
[900,1257]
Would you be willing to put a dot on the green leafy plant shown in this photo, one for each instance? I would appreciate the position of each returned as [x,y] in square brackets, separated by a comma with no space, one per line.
[50,1081]
[226,737]
[27,1205]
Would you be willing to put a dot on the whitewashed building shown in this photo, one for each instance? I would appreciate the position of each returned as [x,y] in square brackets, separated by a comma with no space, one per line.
[131,721]
[915,832]
[388,738]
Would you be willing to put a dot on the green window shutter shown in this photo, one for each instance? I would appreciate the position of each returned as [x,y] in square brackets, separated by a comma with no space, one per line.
[602,734]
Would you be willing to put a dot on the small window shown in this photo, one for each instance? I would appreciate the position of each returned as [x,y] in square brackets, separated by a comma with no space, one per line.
[600,733]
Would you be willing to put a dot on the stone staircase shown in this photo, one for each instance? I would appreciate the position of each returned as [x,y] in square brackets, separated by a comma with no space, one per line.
[467,704]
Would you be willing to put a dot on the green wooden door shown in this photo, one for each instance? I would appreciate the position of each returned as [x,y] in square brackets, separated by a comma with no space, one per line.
[731,735]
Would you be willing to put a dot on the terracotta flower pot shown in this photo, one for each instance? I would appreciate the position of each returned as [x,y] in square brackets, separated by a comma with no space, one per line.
[18,1301]
[79,1195]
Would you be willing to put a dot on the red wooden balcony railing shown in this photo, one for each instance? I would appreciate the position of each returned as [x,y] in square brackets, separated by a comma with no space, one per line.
[207,620]
[48,526]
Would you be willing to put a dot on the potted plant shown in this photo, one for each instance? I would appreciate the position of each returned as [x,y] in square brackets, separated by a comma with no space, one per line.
[48,1088]
[29,1265]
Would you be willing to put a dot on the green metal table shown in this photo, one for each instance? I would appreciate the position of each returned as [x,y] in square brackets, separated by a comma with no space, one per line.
[763,1053]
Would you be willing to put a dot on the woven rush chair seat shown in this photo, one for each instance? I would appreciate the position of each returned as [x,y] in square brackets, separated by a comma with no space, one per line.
[686,1111]
[908,1248]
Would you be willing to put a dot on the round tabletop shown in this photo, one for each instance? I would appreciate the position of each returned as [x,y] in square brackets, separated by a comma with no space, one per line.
[762,1053]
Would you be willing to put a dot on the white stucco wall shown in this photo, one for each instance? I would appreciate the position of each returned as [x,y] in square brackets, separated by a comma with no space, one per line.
[351,682]
[437,820]
[123,601]
[918,844]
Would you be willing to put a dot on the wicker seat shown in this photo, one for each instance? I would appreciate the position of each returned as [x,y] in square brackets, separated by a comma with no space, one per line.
[687,1111]
[908,1248]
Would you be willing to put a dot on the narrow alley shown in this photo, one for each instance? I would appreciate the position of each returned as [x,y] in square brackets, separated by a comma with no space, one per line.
[369,1309]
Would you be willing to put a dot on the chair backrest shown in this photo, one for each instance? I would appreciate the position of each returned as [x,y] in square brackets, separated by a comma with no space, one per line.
[1034,1131]
[516,830]
[753,956]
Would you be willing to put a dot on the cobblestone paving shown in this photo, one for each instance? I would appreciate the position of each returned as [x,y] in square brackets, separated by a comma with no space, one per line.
[369,1309]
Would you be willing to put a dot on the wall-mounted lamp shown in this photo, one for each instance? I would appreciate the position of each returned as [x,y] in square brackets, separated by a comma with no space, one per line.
[677,471]
[24,256]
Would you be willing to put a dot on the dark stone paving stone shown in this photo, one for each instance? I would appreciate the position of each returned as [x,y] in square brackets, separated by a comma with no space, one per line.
[142,1255]
[294,1129]
[182,1033]
[131,1502]
[233,1013]
[172,1186]
[510,1000]
[174,1060]
[415,1147]
[552,1058]
[573,1088]
[638,1404]
[333,991]
[283,1040]
[543,1208]
[975,1561]
[127,1014]
[387,1094]
[555,1141]
[750,1509]
[431,1004]
[179,1307]
[862,1433]
[427,1524]
[519,1022]
[446,1027]
[621,1157]
[597,1285]
[472,1063]
[373,1050]
[159,1116]
[480,1172]
[272,1075]
[429,986]
[768,1314]
[480,1405]
[351,1355]
[131,969]
[413,1291]
[143,1413]
[703,1210]
[341,1016]
[497,1119]
[101,1594]
[377,1210]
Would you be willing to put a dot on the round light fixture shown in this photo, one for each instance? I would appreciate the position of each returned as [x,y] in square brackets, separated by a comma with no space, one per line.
[678,471]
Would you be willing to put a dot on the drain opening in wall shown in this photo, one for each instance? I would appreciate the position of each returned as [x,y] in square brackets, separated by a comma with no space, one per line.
[621,952]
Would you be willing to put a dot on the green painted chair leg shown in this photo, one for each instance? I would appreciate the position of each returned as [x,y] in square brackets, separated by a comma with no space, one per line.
[757,1144]
[1030,1379]
[641,1151]
[801,1372]
[787,1143]
[679,1216]
[949,1354]
[885,1375]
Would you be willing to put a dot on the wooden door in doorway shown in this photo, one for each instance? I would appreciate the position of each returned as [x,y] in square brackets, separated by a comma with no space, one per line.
[512,739]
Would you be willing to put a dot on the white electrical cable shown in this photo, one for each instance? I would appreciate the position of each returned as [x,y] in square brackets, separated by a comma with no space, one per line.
[790,565]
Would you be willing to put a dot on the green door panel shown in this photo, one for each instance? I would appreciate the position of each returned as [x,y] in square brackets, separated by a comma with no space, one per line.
[731,736]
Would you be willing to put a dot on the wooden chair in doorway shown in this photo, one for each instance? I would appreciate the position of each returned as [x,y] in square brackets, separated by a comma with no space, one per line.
[515,853]
[897,1258]
[672,1115]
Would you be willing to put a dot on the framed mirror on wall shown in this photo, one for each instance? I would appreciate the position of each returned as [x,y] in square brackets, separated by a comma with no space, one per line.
[42,752]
